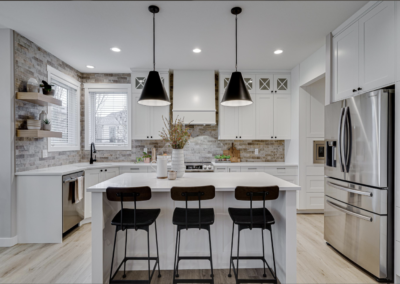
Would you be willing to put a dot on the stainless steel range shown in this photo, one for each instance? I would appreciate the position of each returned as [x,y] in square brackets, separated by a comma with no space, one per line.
[199,167]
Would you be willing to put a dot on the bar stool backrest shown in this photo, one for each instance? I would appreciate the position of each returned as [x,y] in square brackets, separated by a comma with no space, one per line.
[195,193]
[256,193]
[128,194]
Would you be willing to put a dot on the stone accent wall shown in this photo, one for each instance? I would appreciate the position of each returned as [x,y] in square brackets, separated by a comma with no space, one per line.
[31,62]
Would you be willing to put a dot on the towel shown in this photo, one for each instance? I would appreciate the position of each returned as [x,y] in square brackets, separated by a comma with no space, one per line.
[78,189]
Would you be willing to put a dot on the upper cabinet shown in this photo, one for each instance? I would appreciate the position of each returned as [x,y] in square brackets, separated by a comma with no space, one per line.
[364,53]
[147,122]
[397,6]
[268,118]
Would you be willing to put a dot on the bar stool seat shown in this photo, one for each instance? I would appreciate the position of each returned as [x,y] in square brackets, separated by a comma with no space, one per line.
[241,216]
[207,216]
[144,217]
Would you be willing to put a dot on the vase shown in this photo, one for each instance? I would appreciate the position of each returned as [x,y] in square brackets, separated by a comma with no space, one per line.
[178,163]
[47,127]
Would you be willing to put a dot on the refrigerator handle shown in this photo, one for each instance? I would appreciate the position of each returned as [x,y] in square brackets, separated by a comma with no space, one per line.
[340,140]
[348,138]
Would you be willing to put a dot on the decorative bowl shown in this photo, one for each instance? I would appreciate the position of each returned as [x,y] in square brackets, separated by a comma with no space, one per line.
[32,86]
[172,175]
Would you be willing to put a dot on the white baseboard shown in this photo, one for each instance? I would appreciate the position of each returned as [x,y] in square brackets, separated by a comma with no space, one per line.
[8,242]
[310,211]
[85,221]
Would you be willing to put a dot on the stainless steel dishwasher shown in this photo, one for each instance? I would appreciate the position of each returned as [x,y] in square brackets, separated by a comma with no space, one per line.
[72,213]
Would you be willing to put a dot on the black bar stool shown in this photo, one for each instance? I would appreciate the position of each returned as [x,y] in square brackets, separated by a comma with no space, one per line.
[253,218]
[192,218]
[136,219]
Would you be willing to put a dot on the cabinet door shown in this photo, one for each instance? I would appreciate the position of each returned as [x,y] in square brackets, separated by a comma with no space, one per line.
[92,177]
[282,111]
[265,84]
[110,173]
[264,116]
[249,81]
[247,120]
[377,47]
[345,63]
[140,119]
[282,84]
[233,169]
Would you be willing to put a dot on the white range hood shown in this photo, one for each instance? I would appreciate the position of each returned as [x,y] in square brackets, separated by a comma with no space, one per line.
[194,96]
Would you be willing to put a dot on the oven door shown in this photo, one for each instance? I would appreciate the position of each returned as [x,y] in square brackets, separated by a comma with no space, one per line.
[358,234]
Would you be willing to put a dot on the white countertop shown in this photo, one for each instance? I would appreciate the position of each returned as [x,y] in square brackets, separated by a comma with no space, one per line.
[73,168]
[221,181]
[255,164]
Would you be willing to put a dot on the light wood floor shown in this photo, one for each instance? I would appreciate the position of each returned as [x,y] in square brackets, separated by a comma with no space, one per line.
[70,262]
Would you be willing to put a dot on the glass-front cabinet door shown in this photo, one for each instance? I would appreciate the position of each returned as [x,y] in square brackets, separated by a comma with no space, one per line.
[264,83]
[282,83]
[249,81]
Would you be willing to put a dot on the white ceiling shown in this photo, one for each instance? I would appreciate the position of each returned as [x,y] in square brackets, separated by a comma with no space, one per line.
[82,33]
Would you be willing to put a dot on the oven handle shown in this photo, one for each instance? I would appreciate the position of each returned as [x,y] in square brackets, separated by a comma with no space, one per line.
[349,190]
[363,217]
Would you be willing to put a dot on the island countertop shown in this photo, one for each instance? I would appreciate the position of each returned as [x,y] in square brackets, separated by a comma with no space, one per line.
[221,181]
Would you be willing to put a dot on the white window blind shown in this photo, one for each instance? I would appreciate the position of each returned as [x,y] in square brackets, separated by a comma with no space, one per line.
[108,118]
[65,118]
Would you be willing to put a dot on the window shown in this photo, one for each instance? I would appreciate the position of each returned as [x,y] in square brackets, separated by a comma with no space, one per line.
[64,118]
[108,116]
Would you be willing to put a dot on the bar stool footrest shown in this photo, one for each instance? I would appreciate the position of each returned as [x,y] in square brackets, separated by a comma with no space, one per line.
[135,281]
[273,280]
[193,281]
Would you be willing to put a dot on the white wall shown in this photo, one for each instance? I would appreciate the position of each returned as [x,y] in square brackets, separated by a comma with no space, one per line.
[292,145]
[8,230]
[313,67]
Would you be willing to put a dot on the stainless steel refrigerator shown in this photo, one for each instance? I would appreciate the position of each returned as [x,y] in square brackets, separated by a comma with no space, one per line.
[359,180]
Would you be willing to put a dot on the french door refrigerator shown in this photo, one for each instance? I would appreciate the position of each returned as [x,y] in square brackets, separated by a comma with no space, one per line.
[359,180]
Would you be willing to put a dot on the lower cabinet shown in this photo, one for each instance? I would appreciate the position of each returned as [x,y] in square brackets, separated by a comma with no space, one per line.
[93,177]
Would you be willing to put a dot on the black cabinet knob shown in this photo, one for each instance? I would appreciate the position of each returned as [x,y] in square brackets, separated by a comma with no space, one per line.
[240,137]
[101,170]
[272,91]
[151,137]
[359,89]
[236,136]
[354,90]
[272,136]
[275,91]
[105,170]
[275,136]
[147,136]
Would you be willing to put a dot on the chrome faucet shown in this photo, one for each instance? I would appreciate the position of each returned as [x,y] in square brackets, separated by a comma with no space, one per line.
[92,151]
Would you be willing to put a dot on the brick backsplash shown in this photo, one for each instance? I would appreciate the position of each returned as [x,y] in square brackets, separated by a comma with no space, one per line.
[31,62]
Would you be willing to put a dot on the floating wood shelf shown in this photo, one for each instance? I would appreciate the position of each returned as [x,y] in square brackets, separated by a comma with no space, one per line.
[38,99]
[38,133]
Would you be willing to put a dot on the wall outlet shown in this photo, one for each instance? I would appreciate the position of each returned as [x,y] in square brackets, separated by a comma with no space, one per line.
[256,151]
[45,154]
[145,150]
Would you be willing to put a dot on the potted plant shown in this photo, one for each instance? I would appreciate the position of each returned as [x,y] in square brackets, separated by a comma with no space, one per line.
[146,157]
[47,88]
[46,124]
[176,135]
[138,159]
[228,158]
[218,157]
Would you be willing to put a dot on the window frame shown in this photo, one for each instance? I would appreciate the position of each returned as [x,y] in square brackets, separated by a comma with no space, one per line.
[53,73]
[99,86]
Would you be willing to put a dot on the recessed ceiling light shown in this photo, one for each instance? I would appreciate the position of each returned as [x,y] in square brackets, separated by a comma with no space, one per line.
[278,51]
[197,50]
[90,66]
[115,49]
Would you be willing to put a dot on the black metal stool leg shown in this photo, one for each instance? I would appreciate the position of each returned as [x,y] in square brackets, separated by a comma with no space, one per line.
[230,261]
[262,234]
[273,252]
[212,270]
[176,249]
[112,259]
[148,251]
[126,240]
[158,256]
[179,247]
[237,261]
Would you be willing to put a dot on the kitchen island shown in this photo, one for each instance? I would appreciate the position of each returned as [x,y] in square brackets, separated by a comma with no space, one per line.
[194,242]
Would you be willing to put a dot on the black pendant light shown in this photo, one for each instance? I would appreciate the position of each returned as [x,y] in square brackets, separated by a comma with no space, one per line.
[154,93]
[236,93]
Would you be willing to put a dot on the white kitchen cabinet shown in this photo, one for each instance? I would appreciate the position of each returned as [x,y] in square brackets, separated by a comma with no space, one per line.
[377,47]
[93,177]
[219,169]
[247,121]
[233,169]
[249,81]
[282,84]
[252,169]
[345,63]
[397,28]
[265,83]
[264,116]
[282,112]
[133,169]
[147,121]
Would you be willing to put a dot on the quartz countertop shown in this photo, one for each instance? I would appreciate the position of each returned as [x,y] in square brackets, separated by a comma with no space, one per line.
[221,181]
[255,164]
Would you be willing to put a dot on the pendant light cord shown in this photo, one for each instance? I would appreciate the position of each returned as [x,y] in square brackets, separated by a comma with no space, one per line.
[154,42]
[236,40]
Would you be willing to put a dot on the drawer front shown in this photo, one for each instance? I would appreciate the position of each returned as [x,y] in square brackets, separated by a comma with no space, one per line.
[252,169]
[220,169]
[233,169]
[368,198]
[133,169]
[282,171]
[358,234]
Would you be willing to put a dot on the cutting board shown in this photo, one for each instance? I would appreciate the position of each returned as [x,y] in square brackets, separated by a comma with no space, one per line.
[234,153]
